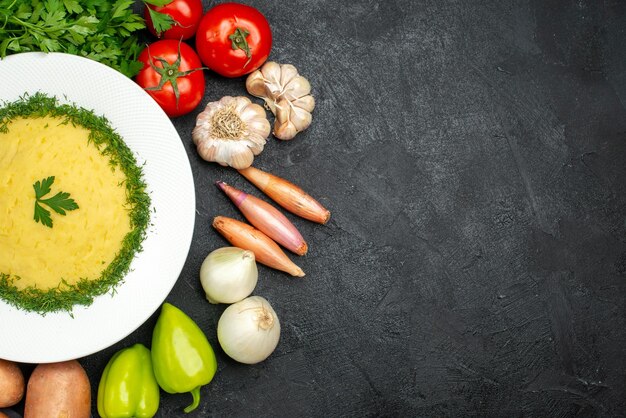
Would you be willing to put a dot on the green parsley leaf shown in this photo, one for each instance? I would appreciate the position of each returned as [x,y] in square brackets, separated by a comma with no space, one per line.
[60,202]
[42,215]
[42,187]
[72,6]
[121,7]
[160,21]
[158,2]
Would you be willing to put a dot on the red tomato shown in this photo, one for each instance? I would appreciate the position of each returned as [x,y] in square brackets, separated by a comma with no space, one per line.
[233,39]
[158,78]
[187,14]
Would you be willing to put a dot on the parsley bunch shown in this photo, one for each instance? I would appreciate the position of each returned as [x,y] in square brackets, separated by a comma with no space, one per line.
[100,30]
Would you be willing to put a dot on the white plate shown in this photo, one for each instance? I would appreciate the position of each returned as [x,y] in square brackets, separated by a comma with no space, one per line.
[31,338]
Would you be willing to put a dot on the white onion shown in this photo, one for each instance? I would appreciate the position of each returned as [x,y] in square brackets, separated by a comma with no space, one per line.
[248,331]
[228,275]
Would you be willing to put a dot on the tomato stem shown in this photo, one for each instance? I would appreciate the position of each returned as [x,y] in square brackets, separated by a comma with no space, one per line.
[169,72]
[239,41]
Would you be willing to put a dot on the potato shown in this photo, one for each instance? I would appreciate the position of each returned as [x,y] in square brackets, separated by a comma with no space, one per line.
[11,383]
[58,390]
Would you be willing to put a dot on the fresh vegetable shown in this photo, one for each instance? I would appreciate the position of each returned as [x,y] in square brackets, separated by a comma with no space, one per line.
[182,358]
[287,195]
[59,203]
[58,390]
[228,275]
[287,94]
[100,30]
[11,383]
[231,131]
[178,19]
[128,387]
[248,331]
[172,75]
[267,219]
[233,39]
[247,237]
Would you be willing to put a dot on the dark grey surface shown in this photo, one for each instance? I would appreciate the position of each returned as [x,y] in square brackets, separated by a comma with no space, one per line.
[472,156]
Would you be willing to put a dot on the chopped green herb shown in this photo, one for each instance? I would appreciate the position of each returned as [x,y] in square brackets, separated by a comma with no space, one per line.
[59,203]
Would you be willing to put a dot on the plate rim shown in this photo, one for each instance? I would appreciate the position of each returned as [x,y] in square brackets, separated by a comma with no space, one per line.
[187,184]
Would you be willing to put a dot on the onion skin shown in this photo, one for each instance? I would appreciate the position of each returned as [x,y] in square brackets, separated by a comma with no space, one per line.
[266,251]
[287,195]
[267,219]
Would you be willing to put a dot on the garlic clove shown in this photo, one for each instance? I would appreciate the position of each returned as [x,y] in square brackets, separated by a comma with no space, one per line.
[285,131]
[307,103]
[287,73]
[283,128]
[239,160]
[300,118]
[240,104]
[252,112]
[258,143]
[207,151]
[234,154]
[259,127]
[271,73]
[297,87]
[255,84]
[283,110]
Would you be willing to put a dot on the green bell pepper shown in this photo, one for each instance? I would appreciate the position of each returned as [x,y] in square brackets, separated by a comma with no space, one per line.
[128,387]
[182,357]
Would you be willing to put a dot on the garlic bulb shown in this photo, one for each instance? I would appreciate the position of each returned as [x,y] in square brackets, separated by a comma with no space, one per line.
[248,331]
[228,275]
[231,131]
[287,94]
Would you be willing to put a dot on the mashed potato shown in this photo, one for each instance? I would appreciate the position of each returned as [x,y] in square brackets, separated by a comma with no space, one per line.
[80,244]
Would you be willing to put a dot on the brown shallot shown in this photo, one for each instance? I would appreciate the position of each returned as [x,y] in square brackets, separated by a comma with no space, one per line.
[287,195]
[266,251]
[266,218]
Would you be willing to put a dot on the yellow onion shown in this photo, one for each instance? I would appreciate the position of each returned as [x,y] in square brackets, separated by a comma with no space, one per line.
[228,275]
[248,331]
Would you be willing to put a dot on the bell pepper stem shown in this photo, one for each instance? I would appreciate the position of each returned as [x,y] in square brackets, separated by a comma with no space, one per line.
[195,392]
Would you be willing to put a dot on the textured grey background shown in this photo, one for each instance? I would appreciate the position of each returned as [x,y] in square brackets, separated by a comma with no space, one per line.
[472,155]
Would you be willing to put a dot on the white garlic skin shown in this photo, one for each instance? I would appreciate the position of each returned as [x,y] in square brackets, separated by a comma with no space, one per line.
[287,94]
[238,151]
[249,331]
[228,275]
